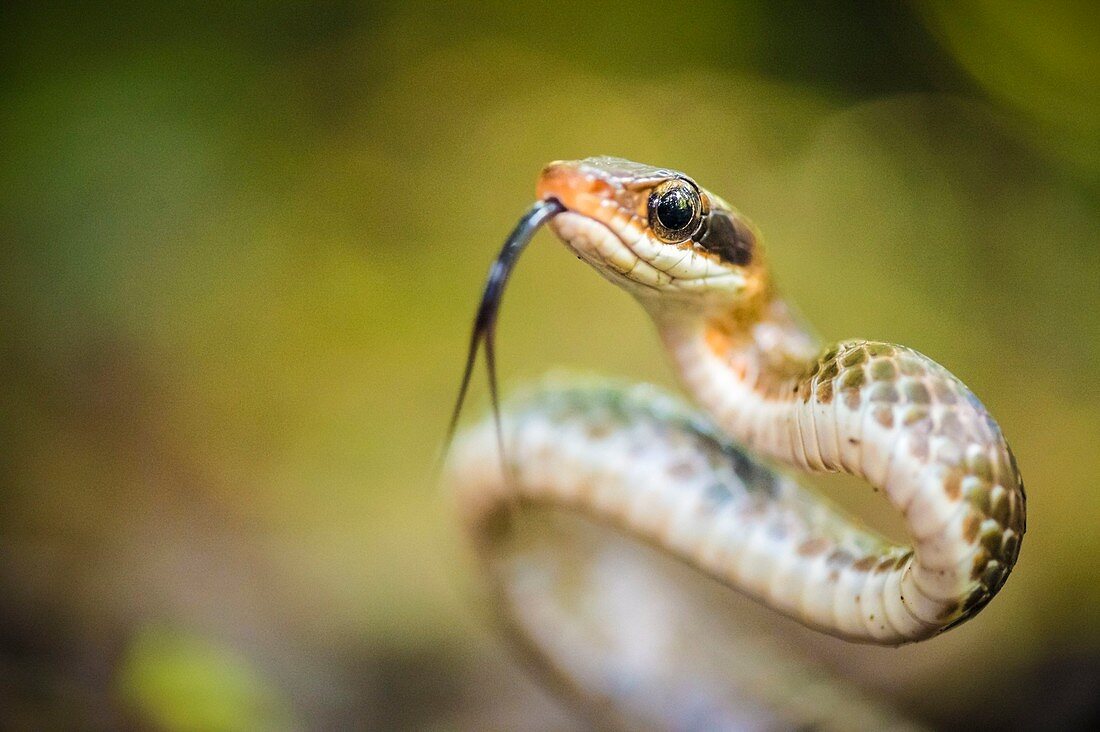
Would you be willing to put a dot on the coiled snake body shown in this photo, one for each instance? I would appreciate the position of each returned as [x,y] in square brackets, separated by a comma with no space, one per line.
[587,464]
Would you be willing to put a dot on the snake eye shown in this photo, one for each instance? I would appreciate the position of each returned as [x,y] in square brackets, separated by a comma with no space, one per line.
[675,210]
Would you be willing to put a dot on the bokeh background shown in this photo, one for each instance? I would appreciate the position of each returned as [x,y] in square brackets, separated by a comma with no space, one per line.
[241,251]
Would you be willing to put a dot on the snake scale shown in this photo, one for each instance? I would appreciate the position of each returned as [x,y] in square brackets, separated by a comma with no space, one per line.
[601,483]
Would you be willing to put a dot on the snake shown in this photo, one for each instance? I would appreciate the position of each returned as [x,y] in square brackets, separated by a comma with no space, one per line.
[617,524]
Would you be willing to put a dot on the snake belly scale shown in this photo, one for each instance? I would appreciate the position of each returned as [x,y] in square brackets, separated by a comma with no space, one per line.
[695,484]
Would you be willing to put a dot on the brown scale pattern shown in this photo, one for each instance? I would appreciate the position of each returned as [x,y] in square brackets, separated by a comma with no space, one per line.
[906,390]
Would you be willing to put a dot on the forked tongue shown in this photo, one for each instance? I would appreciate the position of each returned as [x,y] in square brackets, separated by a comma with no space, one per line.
[485,322]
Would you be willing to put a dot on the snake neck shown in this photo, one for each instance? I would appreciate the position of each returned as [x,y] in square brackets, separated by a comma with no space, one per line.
[740,362]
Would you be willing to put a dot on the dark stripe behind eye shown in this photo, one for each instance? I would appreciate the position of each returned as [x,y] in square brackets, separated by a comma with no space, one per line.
[723,236]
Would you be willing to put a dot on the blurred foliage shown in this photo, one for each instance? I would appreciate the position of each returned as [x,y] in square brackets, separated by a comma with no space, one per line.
[184,683]
[242,247]
[1041,61]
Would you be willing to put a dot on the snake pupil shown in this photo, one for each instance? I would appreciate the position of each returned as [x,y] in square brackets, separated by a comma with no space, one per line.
[675,209]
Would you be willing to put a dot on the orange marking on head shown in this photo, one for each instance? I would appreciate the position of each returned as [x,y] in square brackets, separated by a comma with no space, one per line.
[579,191]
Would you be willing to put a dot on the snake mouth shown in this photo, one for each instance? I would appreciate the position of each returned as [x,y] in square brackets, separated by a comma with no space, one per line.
[607,251]
[627,257]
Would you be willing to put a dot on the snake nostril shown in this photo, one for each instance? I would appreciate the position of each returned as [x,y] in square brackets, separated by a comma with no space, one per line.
[571,184]
[553,164]
[558,169]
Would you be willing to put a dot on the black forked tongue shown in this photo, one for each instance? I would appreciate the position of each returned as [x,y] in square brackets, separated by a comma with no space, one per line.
[486,321]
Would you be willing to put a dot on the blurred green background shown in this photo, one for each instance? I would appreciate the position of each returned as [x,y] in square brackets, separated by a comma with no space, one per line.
[242,248]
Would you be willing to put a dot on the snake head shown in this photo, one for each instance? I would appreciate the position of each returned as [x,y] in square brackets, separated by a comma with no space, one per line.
[656,233]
